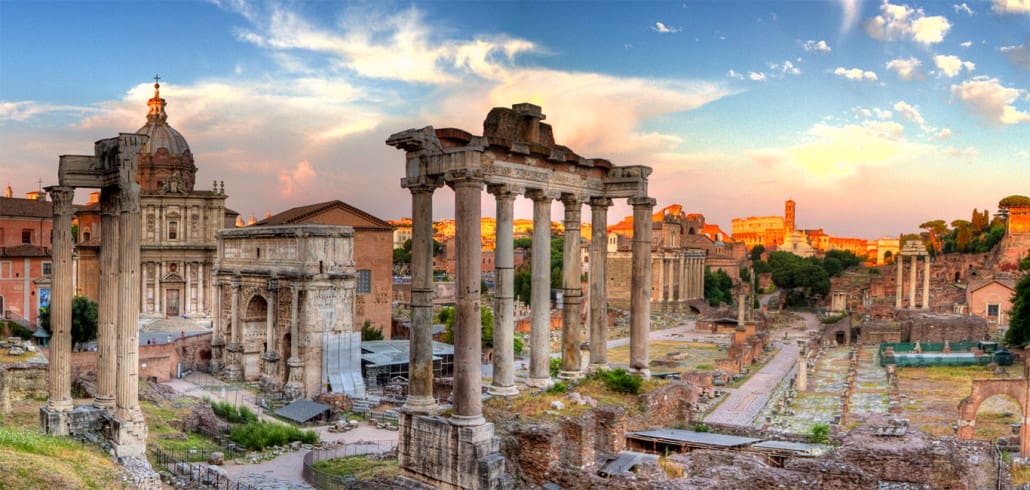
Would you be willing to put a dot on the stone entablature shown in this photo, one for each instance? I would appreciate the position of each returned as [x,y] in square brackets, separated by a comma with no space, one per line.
[286,309]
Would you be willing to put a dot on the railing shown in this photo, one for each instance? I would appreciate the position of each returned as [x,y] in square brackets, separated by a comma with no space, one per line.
[178,465]
[326,481]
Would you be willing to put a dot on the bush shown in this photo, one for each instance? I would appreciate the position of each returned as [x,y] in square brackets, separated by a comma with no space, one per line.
[700,427]
[256,436]
[226,411]
[620,381]
[819,433]
[558,388]
[555,366]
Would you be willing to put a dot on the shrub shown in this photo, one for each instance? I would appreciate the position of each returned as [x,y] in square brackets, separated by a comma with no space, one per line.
[819,433]
[256,436]
[558,388]
[555,366]
[700,427]
[620,381]
[236,415]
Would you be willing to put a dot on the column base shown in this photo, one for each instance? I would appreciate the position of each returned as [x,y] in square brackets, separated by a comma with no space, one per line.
[570,375]
[105,403]
[233,372]
[542,383]
[643,373]
[466,420]
[54,421]
[422,405]
[601,366]
[463,457]
[129,436]
[502,390]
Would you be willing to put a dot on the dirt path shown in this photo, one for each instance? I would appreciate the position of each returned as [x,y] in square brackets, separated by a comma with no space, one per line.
[742,405]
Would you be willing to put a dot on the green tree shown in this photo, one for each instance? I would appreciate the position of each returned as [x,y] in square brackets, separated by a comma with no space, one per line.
[523,286]
[1018,334]
[1012,201]
[757,251]
[84,320]
[486,317]
[718,287]
[368,332]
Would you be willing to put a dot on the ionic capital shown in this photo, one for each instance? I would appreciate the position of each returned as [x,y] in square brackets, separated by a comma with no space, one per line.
[600,202]
[643,201]
[421,184]
[62,197]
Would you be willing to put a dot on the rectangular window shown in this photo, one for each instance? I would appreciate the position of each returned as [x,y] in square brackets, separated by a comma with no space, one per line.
[48,268]
[173,230]
[364,281]
[26,236]
[992,310]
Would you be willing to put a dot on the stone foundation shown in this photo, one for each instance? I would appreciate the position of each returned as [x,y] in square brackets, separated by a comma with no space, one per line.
[53,422]
[129,437]
[437,453]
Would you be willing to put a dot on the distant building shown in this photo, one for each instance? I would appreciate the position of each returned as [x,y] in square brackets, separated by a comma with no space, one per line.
[991,300]
[25,265]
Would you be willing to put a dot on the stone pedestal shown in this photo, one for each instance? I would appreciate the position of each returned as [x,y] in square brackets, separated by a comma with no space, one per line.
[295,385]
[53,421]
[129,437]
[270,379]
[217,351]
[436,453]
[234,364]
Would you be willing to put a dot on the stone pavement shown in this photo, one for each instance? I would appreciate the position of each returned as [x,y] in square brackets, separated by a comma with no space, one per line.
[743,404]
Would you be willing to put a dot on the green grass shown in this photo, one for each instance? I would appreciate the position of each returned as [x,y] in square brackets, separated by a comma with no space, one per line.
[360,467]
[34,460]
[259,435]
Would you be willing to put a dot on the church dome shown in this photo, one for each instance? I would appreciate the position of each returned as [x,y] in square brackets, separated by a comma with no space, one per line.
[165,162]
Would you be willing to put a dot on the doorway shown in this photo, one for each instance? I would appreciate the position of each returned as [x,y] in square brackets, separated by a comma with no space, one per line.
[171,302]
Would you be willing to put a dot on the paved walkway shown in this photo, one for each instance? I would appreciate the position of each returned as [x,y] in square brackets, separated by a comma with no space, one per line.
[743,404]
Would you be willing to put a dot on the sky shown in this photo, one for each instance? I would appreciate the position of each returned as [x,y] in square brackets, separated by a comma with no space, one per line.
[873,116]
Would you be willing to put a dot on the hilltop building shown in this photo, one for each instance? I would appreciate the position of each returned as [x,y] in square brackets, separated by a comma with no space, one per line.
[25,263]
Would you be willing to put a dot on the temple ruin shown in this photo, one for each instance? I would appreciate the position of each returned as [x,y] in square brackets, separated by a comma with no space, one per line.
[516,155]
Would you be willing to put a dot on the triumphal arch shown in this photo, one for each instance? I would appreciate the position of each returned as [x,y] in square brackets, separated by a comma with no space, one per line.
[516,155]
[113,169]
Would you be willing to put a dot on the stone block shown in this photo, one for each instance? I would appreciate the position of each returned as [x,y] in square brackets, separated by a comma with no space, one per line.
[53,422]
[435,452]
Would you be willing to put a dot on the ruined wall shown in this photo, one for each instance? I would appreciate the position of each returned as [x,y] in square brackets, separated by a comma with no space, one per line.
[159,361]
[924,327]
[669,404]
[22,381]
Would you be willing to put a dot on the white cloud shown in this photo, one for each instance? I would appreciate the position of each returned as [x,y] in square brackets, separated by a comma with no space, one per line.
[962,8]
[819,46]
[899,22]
[850,10]
[23,110]
[786,68]
[968,152]
[1011,6]
[988,98]
[952,65]
[906,68]
[943,134]
[294,180]
[756,76]
[910,113]
[735,74]
[966,44]
[882,114]
[664,29]
[855,74]
[1018,55]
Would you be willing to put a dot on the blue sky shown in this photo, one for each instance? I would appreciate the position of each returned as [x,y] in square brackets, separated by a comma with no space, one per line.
[873,116]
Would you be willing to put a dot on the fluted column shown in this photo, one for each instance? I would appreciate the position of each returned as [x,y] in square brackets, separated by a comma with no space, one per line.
[295,382]
[217,341]
[271,354]
[661,278]
[59,394]
[540,298]
[640,285]
[234,363]
[682,290]
[572,267]
[598,285]
[912,283]
[926,282]
[504,315]
[107,338]
[899,263]
[468,327]
[187,304]
[131,436]
[420,361]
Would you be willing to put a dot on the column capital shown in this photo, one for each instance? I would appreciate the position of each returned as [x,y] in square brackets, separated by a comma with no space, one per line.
[422,183]
[642,201]
[571,200]
[62,197]
[273,284]
[109,204]
[464,177]
[235,283]
[503,192]
[600,202]
[541,195]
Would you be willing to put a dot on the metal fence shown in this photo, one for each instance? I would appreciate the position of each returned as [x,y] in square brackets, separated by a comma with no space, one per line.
[926,347]
[326,481]
[177,463]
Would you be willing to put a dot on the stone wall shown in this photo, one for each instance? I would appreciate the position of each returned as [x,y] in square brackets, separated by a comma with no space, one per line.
[159,361]
[21,381]
[670,404]
[926,327]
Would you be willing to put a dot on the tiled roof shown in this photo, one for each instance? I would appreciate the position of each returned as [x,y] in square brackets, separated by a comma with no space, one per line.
[300,213]
[24,251]
[26,208]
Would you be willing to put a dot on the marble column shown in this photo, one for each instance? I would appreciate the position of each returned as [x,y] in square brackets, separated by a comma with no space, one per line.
[131,433]
[217,340]
[295,382]
[187,303]
[504,273]
[157,287]
[640,285]
[926,282]
[540,296]
[682,293]
[201,292]
[598,285]
[234,350]
[420,362]
[899,263]
[59,373]
[912,283]
[107,363]
[144,281]
[661,278]
[572,290]
[468,327]
[271,354]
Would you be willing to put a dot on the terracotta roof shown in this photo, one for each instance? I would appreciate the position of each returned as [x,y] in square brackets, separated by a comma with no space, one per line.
[24,251]
[26,208]
[301,213]
[1008,283]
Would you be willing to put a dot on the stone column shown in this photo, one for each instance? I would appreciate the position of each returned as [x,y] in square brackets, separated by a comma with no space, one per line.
[157,287]
[107,364]
[187,304]
[504,314]
[926,282]
[234,363]
[540,296]
[217,341]
[572,289]
[661,279]
[468,328]
[420,362]
[640,285]
[59,373]
[598,285]
[144,286]
[295,383]
[682,293]
[201,292]
[912,283]
[271,354]
[899,262]
[131,431]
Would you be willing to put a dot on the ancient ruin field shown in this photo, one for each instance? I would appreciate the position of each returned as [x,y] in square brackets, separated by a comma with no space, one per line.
[673,355]
[930,398]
